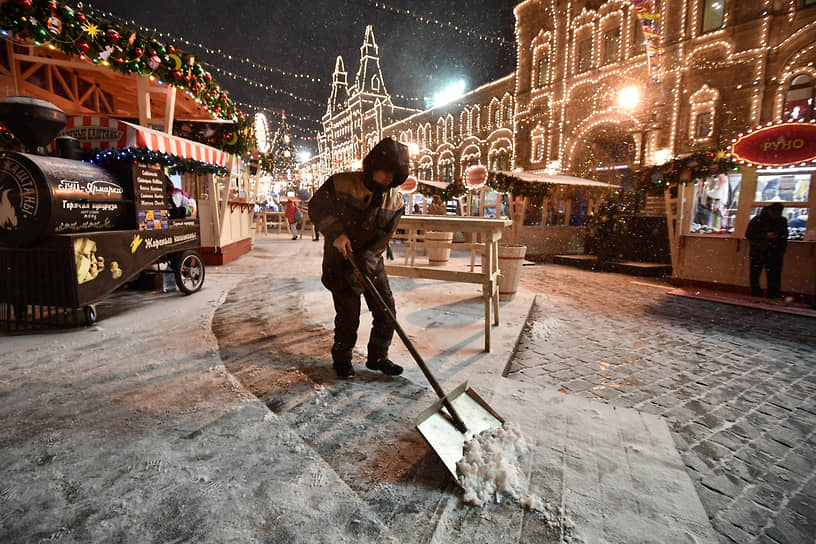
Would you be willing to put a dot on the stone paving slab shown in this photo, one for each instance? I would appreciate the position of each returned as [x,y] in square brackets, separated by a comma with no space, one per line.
[735,385]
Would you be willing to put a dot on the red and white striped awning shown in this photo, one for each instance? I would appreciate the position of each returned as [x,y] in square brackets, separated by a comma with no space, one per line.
[95,132]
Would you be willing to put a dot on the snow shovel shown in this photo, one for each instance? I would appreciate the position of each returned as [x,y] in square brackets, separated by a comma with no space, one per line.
[457,416]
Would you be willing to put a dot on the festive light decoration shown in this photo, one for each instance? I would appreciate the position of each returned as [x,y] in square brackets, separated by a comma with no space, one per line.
[650,23]
[66,28]
[111,158]
[202,47]
[261,133]
[441,24]
[657,179]
[253,83]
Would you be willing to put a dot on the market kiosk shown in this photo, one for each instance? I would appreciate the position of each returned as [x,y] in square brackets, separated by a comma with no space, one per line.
[72,232]
[708,218]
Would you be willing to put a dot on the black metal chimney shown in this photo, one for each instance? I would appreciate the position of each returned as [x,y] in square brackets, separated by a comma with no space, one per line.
[33,121]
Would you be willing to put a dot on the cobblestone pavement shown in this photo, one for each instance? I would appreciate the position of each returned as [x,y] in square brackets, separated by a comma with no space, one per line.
[737,387]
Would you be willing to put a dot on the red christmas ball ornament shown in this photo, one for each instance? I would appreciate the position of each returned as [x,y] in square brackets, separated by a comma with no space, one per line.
[176,74]
[81,18]
[52,5]
[112,35]
[82,46]
[118,60]
[207,77]
[187,78]
[25,4]
[138,51]
[171,48]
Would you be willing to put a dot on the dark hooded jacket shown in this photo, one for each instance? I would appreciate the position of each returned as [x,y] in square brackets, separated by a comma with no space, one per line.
[761,225]
[355,205]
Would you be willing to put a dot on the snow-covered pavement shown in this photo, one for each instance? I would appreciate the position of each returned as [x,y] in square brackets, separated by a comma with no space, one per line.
[217,418]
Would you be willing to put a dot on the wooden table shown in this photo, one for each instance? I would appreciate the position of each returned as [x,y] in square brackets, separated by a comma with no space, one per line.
[490,231]
[278,218]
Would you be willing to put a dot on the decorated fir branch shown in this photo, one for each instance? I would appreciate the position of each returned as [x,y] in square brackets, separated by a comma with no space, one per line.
[66,27]
[656,179]
[174,165]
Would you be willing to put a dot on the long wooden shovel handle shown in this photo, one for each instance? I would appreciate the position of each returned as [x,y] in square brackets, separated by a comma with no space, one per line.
[369,286]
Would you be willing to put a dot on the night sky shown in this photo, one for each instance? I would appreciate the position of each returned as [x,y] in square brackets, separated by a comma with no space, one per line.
[305,37]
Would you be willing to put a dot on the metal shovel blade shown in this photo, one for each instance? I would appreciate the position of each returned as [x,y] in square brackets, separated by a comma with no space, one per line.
[436,426]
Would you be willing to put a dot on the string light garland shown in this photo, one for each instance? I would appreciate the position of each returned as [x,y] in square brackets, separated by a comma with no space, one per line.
[441,24]
[110,158]
[264,86]
[216,52]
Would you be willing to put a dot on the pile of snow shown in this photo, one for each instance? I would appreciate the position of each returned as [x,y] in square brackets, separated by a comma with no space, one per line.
[490,465]
[541,330]
[491,468]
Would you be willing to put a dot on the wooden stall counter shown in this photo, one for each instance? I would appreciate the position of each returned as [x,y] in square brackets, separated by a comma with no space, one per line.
[490,231]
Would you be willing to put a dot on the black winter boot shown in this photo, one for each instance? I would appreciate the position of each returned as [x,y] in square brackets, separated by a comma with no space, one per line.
[385,366]
[342,363]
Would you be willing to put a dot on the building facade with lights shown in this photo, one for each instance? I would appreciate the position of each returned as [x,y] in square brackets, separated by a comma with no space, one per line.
[593,101]
[356,113]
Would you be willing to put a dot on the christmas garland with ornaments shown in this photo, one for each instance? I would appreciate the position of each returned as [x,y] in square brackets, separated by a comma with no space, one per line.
[65,27]
[701,165]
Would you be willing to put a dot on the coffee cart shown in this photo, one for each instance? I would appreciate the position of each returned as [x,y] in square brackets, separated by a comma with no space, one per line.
[72,232]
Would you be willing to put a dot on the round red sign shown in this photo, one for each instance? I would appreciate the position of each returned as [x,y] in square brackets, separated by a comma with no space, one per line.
[409,185]
[783,144]
[476,176]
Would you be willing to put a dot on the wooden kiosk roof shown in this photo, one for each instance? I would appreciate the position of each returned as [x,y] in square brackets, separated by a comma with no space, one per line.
[81,87]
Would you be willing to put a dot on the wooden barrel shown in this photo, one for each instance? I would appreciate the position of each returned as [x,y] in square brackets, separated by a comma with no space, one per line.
[438,247]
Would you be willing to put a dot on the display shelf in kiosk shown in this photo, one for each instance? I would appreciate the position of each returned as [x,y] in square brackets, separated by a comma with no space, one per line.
[71,232]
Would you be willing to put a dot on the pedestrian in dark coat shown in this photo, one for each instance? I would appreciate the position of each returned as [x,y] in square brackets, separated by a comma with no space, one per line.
[767,235]
[358,212]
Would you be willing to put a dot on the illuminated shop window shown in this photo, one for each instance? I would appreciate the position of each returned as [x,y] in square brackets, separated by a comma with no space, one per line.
[783,188]
[715,204]
[543,70]
[793,191]
[713,14]
[800,98]
[584,55]
[611,45]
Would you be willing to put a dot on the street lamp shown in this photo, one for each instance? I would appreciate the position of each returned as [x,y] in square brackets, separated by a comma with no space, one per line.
[628,98]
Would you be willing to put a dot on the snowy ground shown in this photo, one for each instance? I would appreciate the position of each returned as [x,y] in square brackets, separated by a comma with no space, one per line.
[217,418]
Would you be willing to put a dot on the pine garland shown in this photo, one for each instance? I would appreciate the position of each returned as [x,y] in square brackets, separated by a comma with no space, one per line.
[67,28]
[656,179]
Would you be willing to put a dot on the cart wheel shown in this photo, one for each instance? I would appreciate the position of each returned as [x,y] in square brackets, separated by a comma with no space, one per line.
[189,272]
[90,314]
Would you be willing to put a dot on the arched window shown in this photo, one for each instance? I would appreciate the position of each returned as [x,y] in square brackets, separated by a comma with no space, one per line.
[508,113]
[464,126]
[713,14]
[375,83]
[449,127]
[475,120]
[800,98]
[543,69]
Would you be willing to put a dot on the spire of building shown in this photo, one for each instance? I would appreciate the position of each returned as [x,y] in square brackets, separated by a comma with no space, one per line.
[339,92]
[369,77]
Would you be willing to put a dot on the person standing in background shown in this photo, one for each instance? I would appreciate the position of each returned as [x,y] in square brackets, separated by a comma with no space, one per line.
[767,235]
[293,216]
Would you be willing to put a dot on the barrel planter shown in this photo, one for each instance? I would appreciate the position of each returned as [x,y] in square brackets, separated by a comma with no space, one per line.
[511,257]
[438,246]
